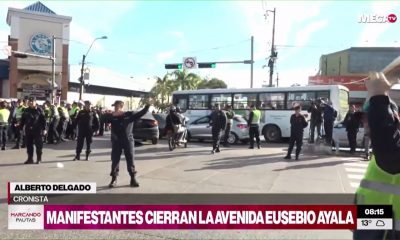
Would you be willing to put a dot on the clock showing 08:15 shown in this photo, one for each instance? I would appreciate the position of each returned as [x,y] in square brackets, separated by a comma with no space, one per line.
[41,43]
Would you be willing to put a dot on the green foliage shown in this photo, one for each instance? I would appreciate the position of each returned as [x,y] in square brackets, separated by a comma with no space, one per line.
[179,79]
[212,84]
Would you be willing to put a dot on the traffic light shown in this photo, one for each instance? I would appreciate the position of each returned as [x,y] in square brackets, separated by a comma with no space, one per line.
[58,92]
[207,65]
[173,66]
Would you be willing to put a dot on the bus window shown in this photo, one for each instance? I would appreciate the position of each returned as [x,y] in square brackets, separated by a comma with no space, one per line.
[221,99]
[198,101]
[180,101]
[302,98]
[182,104]
[244,101]
[323,95]
[274,101]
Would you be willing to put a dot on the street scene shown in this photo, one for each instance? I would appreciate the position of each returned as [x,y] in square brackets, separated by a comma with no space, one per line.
[221,101]
[190,170]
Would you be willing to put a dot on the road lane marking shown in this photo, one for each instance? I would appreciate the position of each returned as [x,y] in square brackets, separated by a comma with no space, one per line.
[355,170]
[355,176]
[361,165]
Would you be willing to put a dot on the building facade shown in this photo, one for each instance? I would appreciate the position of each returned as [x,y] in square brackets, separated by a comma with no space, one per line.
[351,66]
[37,30]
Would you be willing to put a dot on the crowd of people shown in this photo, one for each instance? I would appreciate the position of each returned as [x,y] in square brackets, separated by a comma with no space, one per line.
[60,121]
[31,125]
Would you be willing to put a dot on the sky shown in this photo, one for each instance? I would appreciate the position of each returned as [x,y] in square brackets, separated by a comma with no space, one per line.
[145,35]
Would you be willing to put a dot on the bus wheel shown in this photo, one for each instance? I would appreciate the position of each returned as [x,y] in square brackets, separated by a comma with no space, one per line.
[272,134]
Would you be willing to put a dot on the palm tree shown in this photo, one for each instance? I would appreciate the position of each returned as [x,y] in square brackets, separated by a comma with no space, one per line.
[186,80]
[162,87]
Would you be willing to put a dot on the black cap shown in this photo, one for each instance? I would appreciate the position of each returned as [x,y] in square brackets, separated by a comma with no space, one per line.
[118,102]
[32,98]
[87,102]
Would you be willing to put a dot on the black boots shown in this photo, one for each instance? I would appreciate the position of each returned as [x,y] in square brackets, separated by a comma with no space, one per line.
[29,161]
[113,182]
[288,157]
[134,182]
[39,158]
[77,157]
[87,154]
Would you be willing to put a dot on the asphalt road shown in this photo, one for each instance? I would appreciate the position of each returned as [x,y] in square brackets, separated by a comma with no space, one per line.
[191,170]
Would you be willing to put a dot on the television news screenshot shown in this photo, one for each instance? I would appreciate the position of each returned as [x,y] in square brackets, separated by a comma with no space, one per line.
[200,119]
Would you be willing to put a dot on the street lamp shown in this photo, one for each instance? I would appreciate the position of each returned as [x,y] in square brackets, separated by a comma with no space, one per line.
[83,66]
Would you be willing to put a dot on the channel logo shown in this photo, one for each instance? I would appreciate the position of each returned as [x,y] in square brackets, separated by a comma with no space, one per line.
[377,18]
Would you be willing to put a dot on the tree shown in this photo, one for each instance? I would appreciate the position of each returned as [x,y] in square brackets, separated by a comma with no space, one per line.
[162,87]
[161,92]
[212,84]
[186,80]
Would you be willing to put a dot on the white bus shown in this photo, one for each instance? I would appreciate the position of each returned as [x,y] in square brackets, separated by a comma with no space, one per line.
[275,103]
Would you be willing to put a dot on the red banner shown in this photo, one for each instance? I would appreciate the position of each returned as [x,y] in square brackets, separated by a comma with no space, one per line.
[200,217]
[353,83]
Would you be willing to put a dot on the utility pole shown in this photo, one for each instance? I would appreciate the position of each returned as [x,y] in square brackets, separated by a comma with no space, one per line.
[252,62]
[274,54]
[277,79]
[81,81]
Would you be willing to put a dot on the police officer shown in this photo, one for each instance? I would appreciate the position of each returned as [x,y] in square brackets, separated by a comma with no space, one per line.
[71,129]
[381,182]
[352,124]
[254,126]
[297,124]
[87,123]
[122,139]
[229,116]
[218,124]
[19,134]
[4,117]
[53,119]
[64,119]
[316,120]
[330,115]
[34,121]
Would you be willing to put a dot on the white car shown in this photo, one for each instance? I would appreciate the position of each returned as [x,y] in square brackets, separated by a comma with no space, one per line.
[339,136]
[200,129]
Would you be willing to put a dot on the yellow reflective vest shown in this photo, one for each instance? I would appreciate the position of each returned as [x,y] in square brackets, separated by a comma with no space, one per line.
[256,117]
[4,115]
[380,187]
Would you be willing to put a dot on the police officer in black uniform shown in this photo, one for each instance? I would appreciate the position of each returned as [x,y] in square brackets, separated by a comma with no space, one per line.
[122,139]
[297,124]
[87,122]
[35,124]
[218,124]
[352,124]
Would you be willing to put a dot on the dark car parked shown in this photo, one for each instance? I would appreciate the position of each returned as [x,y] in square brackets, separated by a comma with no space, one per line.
[161,119]
[146,128]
